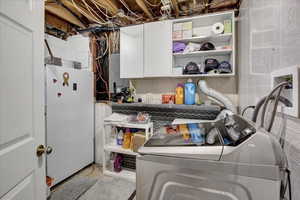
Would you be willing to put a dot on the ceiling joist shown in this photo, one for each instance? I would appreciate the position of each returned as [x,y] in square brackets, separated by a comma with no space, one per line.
[176,8]
[143,6]
[117,13]
[63,13]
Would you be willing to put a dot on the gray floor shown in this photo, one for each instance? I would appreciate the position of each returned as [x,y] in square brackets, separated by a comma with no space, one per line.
[91,184]
[73,189]
[108,188]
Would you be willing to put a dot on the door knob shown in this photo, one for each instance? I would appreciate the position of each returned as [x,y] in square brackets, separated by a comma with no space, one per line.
[41,149]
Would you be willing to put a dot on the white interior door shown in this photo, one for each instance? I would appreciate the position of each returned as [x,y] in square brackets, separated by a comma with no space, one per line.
[22,173]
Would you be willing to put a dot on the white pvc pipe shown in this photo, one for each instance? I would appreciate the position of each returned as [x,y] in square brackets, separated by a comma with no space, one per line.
[216,95]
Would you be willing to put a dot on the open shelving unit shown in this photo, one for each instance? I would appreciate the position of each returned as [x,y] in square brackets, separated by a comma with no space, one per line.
[220,41]
[205,53]
[111,147]
[226,37]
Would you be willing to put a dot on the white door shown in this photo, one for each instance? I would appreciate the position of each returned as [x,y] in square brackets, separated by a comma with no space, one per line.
[158,49]
[131,52]
[22,173]
[70,121]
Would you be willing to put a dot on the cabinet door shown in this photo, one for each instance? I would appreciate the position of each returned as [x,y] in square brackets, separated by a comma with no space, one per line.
[158,49]
[131,52]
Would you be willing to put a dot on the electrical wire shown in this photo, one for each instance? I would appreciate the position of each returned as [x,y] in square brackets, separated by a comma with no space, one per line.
[91,10]
[153,5]
[86,14]
[98,7]
[125,5]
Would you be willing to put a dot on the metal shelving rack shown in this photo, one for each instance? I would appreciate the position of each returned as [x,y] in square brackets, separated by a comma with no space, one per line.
[114,148]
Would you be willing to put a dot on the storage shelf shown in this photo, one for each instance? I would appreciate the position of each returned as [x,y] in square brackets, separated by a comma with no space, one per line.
[129,125]
[204,75]
[119,149]
[125,174]
[216,38]
[205,53]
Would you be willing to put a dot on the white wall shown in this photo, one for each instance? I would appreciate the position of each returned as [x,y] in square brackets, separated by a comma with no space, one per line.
[158,86]
[75,48]
[269,39]
[102,110]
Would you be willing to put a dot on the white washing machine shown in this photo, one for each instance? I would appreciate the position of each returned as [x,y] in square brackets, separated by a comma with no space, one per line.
[231,159]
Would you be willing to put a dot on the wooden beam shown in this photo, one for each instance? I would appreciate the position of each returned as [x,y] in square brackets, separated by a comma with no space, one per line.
[176,8]
[57,23]
[83,10]
[143,6]
[110,6]
[113,9]
[223,4]
[70,5]
[64,14]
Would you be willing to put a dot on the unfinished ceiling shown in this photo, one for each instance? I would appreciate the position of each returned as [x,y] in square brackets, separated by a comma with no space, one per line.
[67,17]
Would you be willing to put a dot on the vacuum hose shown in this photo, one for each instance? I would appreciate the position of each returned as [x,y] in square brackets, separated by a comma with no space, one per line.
[216,95]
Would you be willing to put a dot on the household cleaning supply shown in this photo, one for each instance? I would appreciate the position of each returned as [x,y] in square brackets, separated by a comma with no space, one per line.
[196,135]
[127,139]
[184,131]
[120,137]
[179,94]
[189,92]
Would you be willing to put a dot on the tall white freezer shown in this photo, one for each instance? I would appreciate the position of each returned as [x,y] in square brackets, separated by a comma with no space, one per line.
[70,120]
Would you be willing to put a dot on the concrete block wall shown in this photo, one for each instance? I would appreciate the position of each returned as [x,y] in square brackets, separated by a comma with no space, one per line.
[269,39]
[75,48]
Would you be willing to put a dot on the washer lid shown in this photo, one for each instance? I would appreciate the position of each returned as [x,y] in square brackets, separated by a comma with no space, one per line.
[204,140]
[197,152]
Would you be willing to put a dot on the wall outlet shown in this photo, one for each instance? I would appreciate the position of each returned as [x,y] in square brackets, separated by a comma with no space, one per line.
[291,74]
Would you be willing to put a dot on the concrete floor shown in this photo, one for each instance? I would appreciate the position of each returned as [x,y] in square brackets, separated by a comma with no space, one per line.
[105,188]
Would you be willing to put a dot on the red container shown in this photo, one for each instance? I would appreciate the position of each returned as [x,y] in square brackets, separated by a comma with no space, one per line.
[168,99]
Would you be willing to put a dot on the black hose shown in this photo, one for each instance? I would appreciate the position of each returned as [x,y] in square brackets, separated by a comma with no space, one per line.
[279,86]
[283,100]
[274,109]
[245,109]
[132,196]
[289,183]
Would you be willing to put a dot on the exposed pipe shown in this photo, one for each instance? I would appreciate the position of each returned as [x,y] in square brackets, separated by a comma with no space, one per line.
[98,29]
[216,95]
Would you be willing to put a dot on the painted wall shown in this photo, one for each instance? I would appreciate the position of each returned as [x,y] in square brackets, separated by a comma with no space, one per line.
[269,39]
[76,48]
[102,110]
[158,86]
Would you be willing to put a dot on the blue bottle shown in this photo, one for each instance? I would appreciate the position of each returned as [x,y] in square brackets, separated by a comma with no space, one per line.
[189,92]
[196,135]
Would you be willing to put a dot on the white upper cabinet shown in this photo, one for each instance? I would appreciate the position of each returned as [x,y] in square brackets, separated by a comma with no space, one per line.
[158,49]
[131,52]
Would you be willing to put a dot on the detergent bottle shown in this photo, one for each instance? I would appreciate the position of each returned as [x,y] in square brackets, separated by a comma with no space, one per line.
[184,131]
[189,92]
[179,94]
[126,139]
[196,135]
